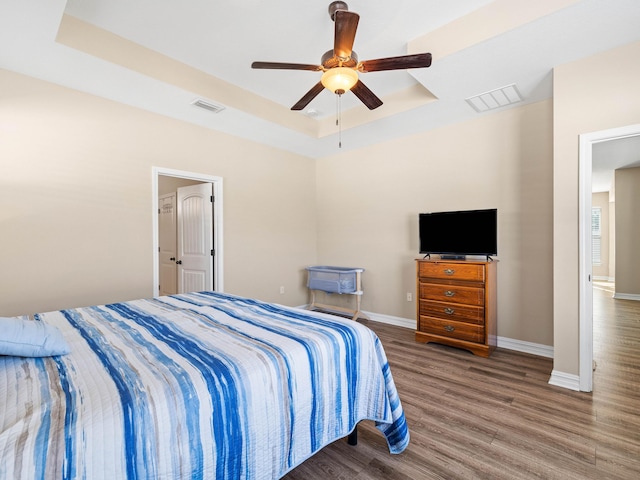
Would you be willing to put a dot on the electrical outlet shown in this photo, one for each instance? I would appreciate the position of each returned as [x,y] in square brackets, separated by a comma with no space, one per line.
[409,297]
[281,289]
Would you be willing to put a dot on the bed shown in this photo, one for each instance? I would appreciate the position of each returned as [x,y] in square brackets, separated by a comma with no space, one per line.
[200,385]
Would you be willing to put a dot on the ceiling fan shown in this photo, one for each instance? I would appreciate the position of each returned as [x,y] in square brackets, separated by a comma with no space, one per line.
[340,66]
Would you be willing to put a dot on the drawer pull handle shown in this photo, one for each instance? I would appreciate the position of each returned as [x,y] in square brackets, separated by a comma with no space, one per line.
[449,328]
[449,271]
[449,293]
[449,311]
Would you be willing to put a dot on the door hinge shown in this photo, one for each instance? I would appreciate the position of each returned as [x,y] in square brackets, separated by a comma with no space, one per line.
[212,198]
[212,252]
[158,211]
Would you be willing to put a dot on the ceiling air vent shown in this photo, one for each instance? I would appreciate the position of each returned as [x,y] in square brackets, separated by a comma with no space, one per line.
[212,107]
[498,98]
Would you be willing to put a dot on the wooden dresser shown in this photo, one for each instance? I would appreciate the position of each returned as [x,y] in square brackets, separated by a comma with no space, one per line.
[457,304]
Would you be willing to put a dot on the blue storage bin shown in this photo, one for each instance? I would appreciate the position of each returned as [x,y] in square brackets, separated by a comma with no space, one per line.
[333,279]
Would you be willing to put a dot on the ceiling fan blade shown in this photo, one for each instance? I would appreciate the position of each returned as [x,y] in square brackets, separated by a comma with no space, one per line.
[366,96]
[310,95]
[286,66]
[345,32]
[419,60]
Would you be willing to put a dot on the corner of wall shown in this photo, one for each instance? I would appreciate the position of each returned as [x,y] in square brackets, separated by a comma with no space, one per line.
[565,380]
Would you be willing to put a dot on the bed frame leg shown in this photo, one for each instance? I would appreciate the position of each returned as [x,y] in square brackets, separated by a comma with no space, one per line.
[352,439]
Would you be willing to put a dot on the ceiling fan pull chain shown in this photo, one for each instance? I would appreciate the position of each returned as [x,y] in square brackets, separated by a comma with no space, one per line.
[339,119]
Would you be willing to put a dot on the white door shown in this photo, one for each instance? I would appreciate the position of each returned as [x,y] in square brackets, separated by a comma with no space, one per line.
[195,238]
[167,248]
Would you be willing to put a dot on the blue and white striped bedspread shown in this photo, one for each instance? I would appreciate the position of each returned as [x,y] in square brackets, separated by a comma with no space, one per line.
[201,385]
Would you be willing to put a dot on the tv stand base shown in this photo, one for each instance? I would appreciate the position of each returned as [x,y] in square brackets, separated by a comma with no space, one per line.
[453,257]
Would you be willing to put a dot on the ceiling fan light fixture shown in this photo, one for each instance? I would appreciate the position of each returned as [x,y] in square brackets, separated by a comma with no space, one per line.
[339,79]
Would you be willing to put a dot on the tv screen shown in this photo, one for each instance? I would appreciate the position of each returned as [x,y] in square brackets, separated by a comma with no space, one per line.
[469,232]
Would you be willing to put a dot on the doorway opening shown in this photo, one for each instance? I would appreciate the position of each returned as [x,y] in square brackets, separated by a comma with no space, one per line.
[215,184]
[585,248]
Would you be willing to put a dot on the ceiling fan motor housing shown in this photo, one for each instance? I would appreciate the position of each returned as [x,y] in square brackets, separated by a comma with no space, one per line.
[329,60]
[334,7]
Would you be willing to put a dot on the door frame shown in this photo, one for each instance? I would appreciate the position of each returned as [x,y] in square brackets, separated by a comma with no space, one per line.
[587,141]
[218,259]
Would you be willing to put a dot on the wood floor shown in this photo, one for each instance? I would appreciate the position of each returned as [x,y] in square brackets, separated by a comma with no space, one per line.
[498,418]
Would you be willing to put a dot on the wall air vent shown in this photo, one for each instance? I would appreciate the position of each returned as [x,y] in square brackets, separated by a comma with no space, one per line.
[498,98]
[212,107]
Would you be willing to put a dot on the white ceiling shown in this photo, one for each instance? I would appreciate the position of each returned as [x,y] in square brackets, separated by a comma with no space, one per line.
[223,38]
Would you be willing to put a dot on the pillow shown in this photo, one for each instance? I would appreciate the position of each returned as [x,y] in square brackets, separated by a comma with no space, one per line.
[28,338]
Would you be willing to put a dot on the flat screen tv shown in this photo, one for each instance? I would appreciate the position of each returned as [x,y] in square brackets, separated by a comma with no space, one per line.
[460,233]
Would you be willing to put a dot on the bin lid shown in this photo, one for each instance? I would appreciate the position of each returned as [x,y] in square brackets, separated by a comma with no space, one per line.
[326,268]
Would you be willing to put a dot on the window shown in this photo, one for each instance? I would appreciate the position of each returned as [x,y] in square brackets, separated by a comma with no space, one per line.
[596,231]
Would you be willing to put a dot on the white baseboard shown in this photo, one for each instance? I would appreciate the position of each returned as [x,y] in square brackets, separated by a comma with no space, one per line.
[565,380]
[525,347]
[391,320]
[626,296]
[600,278]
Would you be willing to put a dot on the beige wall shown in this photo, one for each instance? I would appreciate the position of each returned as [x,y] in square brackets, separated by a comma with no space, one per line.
[75,201]
[601,200]
[369,200]
[597,93]
[76,205]
[628,231]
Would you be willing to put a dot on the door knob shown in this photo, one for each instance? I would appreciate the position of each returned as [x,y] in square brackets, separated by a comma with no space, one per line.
[179,262]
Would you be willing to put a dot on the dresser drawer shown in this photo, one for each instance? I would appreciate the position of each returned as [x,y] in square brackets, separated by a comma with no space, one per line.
[452,329]
[452,271]
[452,293]
[454,311]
